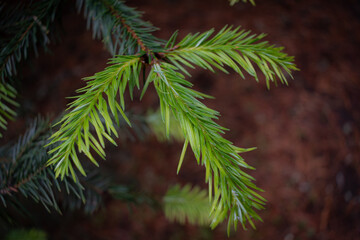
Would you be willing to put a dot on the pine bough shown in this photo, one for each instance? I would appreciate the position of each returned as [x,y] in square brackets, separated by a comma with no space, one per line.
[232,191]
[22,27]
[24,175]
[23,172]
[95,114]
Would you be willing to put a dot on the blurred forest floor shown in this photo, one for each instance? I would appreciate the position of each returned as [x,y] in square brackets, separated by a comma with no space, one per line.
[307,134]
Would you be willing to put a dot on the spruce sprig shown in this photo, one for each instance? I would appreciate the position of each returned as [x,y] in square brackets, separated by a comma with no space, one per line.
[87,111]
[234,48]
[23,170]
[23,27]
[120,27]
[227,183]
[231,190]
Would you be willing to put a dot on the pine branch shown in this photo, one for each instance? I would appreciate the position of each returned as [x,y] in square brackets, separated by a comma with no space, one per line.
[233,189]
[86,111]
[21,27]
[186,203]
[121,27]
[23,169]
[233,48]
[24,172]
[133,34]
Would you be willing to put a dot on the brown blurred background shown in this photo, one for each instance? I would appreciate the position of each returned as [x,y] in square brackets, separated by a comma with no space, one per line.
[307,133]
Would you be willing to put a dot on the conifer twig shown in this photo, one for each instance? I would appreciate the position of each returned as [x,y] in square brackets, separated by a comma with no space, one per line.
[15,188]
[130,30]
[120,27]
[21,26]
[232,191]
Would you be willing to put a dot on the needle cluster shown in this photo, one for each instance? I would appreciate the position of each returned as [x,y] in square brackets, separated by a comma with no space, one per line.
[232,191]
